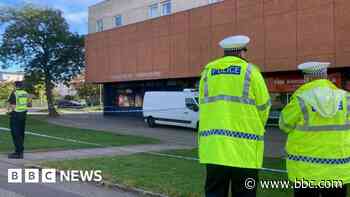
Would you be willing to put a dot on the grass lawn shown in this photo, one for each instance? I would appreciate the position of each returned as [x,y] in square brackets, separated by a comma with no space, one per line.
[170,176]
[38,124]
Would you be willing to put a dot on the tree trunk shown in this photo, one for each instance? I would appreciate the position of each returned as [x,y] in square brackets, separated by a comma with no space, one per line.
[50,102]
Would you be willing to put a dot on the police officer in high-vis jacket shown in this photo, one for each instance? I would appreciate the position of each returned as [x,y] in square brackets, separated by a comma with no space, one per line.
[234,107]
[18,102]
[317,121]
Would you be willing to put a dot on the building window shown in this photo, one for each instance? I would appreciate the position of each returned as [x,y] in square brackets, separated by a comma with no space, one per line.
[99,25]
[153,10]
[129,98]
[118,20]
[166,7]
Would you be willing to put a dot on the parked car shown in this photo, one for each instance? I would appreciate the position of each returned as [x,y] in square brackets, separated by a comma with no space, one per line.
[171,108]
[69,104]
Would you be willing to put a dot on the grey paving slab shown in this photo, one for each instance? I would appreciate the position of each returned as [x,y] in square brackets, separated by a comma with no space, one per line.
[69,189]
[86,153]
[129,126]
[274,138]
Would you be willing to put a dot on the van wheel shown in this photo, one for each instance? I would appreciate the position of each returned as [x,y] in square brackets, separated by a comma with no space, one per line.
[150,121]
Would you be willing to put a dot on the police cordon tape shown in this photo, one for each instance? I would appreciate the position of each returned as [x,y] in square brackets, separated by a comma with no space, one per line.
[55,138]
[272,116]
[109,111]
[138,110]
[130,149]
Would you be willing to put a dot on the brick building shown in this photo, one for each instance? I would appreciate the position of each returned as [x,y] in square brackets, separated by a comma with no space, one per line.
[168,52]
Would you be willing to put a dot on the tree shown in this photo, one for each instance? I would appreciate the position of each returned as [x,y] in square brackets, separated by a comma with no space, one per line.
[35,87]
[88,91]
[39,40]
[5,90]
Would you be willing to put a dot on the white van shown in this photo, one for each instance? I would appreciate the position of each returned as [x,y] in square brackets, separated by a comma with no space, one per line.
[171,108]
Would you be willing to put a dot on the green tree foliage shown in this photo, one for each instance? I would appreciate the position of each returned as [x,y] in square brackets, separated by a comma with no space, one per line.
[88,91]
[35,87]
[5,90]
[39,40]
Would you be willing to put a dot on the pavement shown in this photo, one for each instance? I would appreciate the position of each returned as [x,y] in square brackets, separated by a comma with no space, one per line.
[170,137]
[52,190]
[94,152]
[274,138]
[128,126]
[69,189]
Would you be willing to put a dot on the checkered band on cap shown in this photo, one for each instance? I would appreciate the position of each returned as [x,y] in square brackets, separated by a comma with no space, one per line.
[314,68]
[236,49]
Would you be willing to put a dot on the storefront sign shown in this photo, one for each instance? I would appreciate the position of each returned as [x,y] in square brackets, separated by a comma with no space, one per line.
[131,76]
[293,82]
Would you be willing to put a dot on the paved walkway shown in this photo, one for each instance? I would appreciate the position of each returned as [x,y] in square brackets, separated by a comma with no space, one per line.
[274,138]
[93,152]
[171,138]
[69,189]
[128,126]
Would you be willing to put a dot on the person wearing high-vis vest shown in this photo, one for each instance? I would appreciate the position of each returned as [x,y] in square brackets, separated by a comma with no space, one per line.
[234,108]
[317,121]
[18,102]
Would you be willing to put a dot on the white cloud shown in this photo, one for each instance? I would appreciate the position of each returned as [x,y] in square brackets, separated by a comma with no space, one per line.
[76,17]
[75,11]
[80,3]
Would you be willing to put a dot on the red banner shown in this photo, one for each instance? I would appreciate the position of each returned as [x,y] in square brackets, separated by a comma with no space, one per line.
[293,82]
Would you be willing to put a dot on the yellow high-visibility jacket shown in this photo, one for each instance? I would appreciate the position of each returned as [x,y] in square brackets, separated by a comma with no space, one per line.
[234,108]
[21,101]
[318,126]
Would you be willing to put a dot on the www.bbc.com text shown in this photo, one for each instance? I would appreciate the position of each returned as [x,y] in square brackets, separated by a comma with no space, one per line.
[251,183]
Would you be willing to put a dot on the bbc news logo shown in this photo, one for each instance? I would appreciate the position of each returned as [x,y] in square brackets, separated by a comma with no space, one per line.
[29,175]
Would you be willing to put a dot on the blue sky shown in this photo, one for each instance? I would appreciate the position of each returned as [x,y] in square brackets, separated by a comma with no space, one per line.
[75,11]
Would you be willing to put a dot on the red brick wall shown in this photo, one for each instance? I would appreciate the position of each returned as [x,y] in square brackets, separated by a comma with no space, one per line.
[283,34]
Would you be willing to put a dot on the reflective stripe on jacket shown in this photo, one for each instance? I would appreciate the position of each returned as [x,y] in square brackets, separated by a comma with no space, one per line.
[234,107]
[318,125]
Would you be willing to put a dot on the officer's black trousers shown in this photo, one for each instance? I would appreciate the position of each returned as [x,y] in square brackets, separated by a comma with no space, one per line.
[334,192]
[219,179]
[17,126]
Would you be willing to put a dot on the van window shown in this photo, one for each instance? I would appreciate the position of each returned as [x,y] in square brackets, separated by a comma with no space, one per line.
[191,104]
